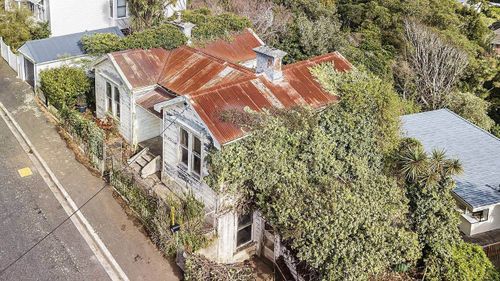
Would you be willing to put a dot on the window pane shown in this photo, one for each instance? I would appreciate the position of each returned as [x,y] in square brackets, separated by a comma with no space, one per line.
[244,236]
[196,165]
[184,137]
[184,156]
[121,8]
[111,8]
[117,102]
[244,220]
[197,145]
[109,97]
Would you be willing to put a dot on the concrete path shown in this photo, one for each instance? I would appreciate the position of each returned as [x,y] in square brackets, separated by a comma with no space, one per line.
[133,251]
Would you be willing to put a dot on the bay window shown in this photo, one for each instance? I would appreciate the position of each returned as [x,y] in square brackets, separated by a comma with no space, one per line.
[190,152]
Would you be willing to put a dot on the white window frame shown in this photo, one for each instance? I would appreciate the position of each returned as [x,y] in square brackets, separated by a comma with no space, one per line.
[113,111]
[191,154]
[113,13]
[239,228]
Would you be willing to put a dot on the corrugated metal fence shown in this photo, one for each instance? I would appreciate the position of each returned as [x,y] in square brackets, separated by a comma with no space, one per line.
[14,60]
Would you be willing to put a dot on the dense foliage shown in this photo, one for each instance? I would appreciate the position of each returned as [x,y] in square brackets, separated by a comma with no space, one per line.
[164,36]
[318,178]
[210,26]
[17,27]
[347,195]
[63,85]
[372,35]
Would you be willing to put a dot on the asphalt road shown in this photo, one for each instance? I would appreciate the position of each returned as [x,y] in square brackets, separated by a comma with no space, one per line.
[28,211]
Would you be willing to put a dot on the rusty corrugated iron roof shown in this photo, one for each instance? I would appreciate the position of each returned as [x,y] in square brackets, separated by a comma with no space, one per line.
[239,48]
[156,96]
[182,70]
[298,88]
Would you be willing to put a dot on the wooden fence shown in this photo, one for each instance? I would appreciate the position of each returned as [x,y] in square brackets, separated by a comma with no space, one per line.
[493,253]
[14,60]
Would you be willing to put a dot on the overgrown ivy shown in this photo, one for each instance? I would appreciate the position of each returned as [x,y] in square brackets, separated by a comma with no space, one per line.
[318,177]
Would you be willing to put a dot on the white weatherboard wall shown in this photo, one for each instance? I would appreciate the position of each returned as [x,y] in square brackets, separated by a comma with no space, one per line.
[106,72]
[147,125]
[73,16]
[470,227]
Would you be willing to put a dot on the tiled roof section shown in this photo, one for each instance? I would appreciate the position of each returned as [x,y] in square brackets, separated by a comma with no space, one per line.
[477,150]
[156,96]
[187,70]
[298,88]
[238,49]
[142,68]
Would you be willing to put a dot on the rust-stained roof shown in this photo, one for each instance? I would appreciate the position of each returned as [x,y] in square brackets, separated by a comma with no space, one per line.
[141,67]
[182,70]
[156,96]
[238,49]
[298,88]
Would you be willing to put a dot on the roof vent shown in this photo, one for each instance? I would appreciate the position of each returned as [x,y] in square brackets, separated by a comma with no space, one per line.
[269,62]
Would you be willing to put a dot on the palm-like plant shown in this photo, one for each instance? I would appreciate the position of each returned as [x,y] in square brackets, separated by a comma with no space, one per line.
[148,13]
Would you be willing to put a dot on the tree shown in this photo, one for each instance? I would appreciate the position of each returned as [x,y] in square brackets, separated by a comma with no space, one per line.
[472,108]
[147,13]
[318,178]
[62,86]
[437,65]
[17,27]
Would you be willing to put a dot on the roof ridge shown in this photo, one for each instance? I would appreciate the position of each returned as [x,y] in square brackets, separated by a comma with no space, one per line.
[203,92]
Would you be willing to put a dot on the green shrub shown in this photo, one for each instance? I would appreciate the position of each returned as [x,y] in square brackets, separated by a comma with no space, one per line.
[62,86]
[102,43]
[165,36]
[210,27]
[470,263]
[17,27]
[472,108]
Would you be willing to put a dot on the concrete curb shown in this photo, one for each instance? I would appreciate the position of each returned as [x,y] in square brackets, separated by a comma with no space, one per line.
[90,236]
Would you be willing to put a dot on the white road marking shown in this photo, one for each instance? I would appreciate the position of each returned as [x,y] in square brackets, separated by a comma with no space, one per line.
[88,233]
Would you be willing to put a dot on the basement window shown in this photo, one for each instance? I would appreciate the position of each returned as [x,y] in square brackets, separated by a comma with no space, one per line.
[244,234]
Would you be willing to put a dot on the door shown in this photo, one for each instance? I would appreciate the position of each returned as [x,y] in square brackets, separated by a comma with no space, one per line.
[29,72]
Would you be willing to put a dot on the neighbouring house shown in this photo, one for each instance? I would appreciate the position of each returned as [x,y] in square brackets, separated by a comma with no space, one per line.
[38,55]
[178,98]
[73,16]
[478,189]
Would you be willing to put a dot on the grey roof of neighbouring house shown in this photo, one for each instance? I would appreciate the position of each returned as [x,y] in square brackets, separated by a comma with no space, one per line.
[54,48]
[477,150]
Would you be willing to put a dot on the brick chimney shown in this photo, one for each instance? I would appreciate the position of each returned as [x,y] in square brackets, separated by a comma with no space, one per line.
[269,62]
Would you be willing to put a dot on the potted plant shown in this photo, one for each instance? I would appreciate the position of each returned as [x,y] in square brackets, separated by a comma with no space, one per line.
[81,103]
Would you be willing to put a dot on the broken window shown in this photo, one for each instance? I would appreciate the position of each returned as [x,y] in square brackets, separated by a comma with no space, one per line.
[480,216]
[244,234]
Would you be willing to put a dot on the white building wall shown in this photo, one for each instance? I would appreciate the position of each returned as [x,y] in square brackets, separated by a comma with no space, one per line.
[73,16]
[147,125]
[106,72]
[469,227]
